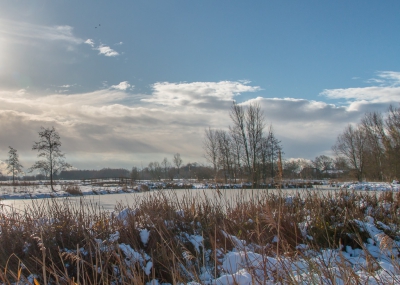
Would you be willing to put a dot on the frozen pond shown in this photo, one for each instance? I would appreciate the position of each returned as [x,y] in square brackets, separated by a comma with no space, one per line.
[109,201]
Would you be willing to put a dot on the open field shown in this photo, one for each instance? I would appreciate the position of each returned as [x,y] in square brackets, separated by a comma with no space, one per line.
[341,237]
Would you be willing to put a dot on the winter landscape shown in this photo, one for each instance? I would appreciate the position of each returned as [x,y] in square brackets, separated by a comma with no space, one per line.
[199,142]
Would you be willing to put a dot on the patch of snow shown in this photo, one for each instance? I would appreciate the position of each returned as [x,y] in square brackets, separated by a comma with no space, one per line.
[144,236]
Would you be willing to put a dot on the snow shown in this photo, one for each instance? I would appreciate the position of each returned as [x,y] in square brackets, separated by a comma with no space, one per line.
[144,236]
[124,214]
[241,277]
[40,189]
[132,257]
[371,186]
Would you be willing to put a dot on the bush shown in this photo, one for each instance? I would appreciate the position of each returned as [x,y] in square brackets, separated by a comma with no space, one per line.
[74,190]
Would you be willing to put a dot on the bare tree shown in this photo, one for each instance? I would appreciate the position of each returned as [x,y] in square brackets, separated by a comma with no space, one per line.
[248,127]
[48,148]
[210,146]
[237,115]
[13,165]
[254,129]
[323,163]
[237,153]
[155,170]
[165,166]
[225,153]
[373,125]
[270,148]
[177,162]
[135,173]
[392,144]
[351,145]
[291,169]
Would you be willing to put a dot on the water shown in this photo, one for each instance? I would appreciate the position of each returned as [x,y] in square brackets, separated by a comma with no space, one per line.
[110,201]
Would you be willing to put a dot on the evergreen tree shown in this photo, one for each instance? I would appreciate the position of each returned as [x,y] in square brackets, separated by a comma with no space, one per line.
[13,165]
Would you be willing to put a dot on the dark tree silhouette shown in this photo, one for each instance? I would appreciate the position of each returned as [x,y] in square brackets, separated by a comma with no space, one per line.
[48,148]
[13,165]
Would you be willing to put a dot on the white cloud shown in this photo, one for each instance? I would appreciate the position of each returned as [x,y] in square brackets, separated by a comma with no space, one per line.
[103,49]
[89,42]
[28,33]
[106,50]
[199,94]
[387,91]
[124,85]
[391,77]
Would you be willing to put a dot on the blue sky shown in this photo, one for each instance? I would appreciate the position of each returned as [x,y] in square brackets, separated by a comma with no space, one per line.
[130,82]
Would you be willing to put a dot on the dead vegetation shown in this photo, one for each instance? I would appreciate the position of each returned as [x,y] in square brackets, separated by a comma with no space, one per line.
[57,242]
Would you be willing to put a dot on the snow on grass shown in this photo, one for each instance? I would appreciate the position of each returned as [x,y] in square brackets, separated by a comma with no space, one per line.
[211,246]
[144,236]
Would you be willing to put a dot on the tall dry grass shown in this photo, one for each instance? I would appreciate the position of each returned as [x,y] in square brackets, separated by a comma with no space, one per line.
[59,242]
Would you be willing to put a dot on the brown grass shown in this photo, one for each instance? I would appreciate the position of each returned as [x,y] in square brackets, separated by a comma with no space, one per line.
[63,243]
[72,189]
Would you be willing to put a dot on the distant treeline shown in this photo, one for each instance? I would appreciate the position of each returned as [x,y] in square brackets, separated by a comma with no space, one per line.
[90,174]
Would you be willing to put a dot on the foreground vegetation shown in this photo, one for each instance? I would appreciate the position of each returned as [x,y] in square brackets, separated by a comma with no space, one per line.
[175,240]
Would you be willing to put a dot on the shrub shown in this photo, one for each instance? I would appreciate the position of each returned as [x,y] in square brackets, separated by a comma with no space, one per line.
[72,190]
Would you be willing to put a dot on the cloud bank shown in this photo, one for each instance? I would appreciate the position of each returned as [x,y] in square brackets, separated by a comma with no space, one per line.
[117,127]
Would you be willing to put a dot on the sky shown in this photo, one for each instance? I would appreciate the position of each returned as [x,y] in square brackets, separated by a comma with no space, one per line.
[129,82]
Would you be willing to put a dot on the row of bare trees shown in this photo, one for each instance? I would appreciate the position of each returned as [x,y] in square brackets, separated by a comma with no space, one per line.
[158,171]
[247,150]
[372,147]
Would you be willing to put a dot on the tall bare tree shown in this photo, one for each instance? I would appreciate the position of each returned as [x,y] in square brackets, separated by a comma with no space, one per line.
[351,145]
[210,147]
[165,166]
[270,149]
[13,165]
[225,153]
[374,128]
[254,128]
[48,148]
[238,118]
[237,150]
[392,144]
[177,162]
[248,126]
